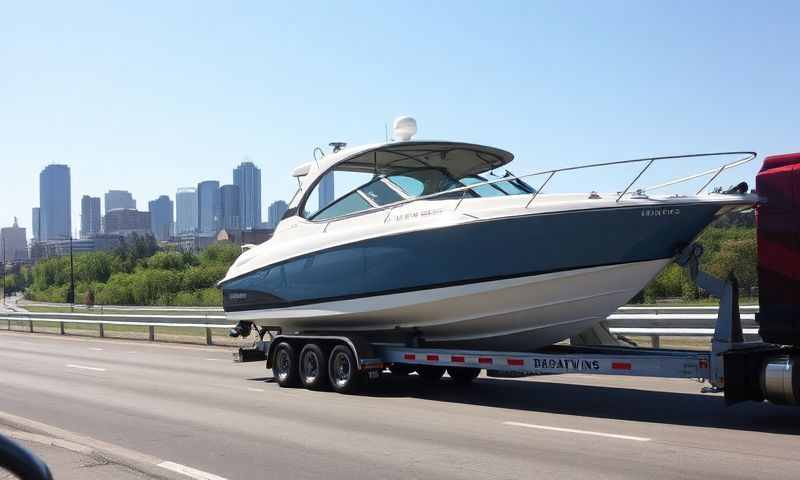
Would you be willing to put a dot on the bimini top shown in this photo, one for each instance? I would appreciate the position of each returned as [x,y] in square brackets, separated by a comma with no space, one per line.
[457,159]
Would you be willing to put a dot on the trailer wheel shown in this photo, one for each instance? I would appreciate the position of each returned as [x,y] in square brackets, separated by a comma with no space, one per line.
[430,373]
[463,375]
[342,370]
[401,369]
[313,367]
[284,366]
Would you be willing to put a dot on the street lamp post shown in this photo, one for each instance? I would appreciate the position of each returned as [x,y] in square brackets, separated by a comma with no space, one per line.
[3,245]
[71,293]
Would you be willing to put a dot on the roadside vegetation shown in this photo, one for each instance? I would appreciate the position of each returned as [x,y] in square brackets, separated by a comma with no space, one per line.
[142,273]
[138,273]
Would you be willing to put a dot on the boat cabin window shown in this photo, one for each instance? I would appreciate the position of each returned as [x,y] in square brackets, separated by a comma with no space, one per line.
[373,193]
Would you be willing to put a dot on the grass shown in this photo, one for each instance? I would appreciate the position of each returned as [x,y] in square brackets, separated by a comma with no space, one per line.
[100,311]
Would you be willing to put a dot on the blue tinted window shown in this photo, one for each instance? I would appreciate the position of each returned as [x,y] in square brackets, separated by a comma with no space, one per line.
[380,193]
[346,205]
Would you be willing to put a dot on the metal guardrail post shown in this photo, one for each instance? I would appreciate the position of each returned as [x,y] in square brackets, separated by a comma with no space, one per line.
[208,337]
[61,328]
[101,330]
[151,333]
[656,341]
[30,324]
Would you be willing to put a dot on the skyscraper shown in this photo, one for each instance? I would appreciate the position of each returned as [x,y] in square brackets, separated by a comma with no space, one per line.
[275,213]
[161,217]
[90,216]
[55,208]
[186,210]
[119,199]
[14,243]
[326,190]
[208,206]
[248,178]
[230,197]
[35,220]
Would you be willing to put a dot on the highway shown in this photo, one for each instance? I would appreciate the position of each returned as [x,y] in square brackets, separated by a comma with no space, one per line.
[191,406]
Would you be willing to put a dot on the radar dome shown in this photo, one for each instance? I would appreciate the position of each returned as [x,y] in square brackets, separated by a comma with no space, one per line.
[404,128]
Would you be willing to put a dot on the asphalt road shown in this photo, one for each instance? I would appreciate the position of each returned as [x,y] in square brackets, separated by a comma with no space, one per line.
[193,406]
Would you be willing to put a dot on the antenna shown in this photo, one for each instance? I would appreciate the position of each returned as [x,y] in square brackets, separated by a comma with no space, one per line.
[386,132]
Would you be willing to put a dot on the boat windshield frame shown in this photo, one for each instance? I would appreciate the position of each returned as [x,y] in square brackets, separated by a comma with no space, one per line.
[742,158]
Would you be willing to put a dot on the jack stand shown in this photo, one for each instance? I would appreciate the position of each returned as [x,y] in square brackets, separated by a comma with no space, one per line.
[728,329]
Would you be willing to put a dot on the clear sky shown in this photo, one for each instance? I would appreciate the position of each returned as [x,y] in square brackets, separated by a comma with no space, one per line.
[152,96]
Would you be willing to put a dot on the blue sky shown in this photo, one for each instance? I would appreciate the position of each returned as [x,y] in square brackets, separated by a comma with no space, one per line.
[152,96]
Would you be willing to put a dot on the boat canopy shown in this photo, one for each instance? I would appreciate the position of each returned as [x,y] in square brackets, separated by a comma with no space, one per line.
[458,159]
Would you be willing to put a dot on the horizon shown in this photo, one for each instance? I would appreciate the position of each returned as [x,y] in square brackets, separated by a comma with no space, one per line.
[149,104]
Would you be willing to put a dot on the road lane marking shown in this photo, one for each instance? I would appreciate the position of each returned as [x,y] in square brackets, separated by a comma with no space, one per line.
[84,367]
[31,430]
[189,471]
[251,389]
[579,432]
[96,349]
[216,359]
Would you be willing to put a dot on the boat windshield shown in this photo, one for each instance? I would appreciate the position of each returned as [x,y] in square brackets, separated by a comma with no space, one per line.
[387,189]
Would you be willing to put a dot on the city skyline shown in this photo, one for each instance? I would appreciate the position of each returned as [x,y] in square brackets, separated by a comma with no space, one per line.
[92,212]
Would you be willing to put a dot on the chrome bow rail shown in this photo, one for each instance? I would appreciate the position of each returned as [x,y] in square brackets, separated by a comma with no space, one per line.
[742,158]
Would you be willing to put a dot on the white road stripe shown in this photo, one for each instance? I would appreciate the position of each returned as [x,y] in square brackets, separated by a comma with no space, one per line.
[84,367]
[97,349]
[216,359]
[189,471]
[251,389]
[580,432]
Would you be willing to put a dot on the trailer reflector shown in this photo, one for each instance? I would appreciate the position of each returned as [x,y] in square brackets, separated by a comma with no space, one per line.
[621,366]
[457,358]
[516,362]
[484,359]
[409,356]
[432,358]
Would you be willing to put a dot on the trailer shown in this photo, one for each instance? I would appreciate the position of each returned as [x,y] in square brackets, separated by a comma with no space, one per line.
[742,370]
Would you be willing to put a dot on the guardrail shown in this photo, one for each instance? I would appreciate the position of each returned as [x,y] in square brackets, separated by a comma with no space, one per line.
[633,321]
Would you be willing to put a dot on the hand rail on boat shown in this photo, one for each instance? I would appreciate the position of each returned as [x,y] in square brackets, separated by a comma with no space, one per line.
[747,156]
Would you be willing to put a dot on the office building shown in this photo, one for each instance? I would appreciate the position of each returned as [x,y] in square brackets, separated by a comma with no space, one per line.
[126,221]
[230,197]
[55,207]
[90,216]
[13,243]
[161,217]
[275,213]
[61,248]
[35,223]
[248,178]
[116,199]
[208,206]
[326,190]
[185,210]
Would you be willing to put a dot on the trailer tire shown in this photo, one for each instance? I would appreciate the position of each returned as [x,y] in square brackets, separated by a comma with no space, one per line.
[401,369]
[313,367]
[345,377]
[463,375]
[284,366]
[430,373]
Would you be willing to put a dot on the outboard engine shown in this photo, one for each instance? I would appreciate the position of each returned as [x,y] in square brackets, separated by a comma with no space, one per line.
[778,221]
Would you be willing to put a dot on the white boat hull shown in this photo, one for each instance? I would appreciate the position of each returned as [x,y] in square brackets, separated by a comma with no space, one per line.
[520,313]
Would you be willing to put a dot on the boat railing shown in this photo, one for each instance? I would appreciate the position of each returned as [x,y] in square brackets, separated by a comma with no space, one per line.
[742,158]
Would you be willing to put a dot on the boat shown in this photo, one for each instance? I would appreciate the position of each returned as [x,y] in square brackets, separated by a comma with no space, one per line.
[435,247]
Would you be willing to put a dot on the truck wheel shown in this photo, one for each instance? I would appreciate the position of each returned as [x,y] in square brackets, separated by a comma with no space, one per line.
[401,369]
[284,366]
[342,370]
[430,373]
[463,375]
[313,367]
